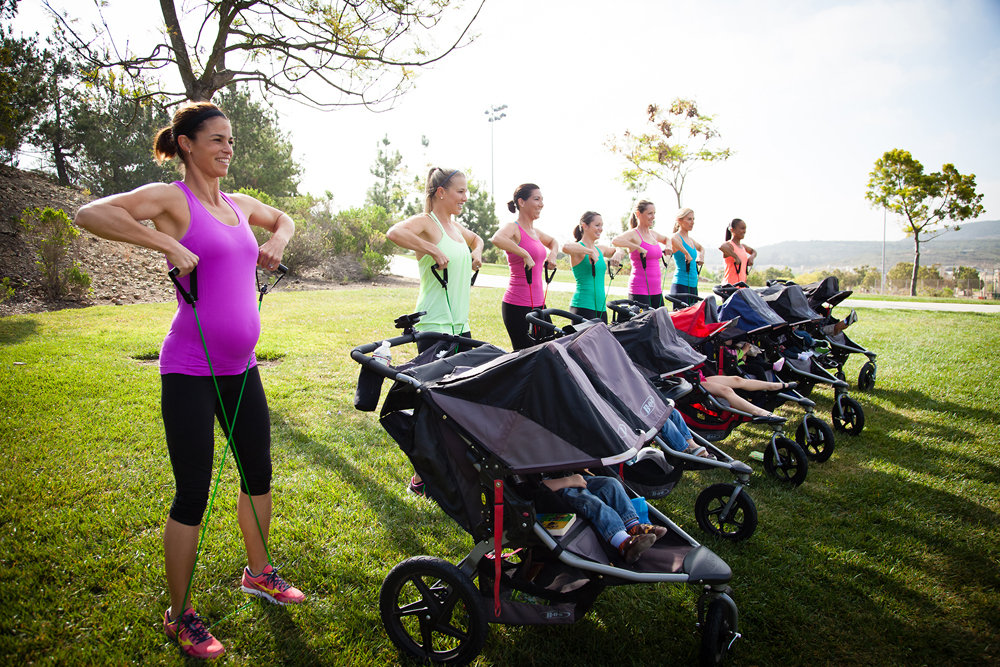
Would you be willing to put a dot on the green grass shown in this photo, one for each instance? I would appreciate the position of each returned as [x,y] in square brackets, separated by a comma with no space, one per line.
[889,554]
[929,299]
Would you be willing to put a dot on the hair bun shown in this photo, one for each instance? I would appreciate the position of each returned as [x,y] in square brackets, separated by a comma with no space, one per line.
[511,206]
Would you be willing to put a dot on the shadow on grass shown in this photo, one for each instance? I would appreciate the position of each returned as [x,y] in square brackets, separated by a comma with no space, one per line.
[16,331]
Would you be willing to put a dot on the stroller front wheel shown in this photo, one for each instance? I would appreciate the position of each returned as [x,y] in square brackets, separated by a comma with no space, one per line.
[738,524]
[866,378]
[433,612]
[848,416]
[817,440]
[789,464]
[716,634]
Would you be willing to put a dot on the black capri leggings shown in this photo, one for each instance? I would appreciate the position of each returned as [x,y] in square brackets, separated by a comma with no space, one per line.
[517,326]
[590,314]
[190,408]
[651,300]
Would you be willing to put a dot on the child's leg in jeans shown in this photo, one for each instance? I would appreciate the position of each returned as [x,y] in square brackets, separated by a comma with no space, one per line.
[611,493]
[676,432]
[605,519]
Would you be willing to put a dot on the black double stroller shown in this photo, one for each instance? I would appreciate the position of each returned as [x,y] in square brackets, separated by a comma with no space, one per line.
[479,425]
[804,362]
[823,296]
[725,510]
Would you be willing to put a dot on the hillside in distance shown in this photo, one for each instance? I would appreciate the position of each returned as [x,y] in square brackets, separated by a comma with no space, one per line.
[976,244]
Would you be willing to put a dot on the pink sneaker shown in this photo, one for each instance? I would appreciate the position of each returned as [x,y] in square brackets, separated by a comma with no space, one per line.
[270,586]
[190,633]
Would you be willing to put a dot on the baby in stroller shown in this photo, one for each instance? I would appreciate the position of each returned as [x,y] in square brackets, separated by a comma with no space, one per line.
[603,501]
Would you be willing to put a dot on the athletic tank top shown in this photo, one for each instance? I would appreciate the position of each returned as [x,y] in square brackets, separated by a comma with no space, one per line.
[646,281]
[733,276]
[589,283]
[227,297]
[518,293]
[682,275]
[447,311]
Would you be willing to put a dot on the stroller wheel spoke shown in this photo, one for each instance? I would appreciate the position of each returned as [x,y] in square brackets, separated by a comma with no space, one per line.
[786,461]
[741,521]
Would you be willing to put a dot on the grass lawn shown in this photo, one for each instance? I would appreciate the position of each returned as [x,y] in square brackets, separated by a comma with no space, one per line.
[888,554]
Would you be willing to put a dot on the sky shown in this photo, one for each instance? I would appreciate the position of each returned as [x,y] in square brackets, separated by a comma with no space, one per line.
[807,94]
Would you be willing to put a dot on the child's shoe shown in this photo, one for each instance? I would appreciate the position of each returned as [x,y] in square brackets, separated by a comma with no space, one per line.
[647,529]
[270,586]
[851,319]
[634,546]
[190,633]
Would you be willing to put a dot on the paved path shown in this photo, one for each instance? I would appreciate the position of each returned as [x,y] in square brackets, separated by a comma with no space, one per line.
[407,268]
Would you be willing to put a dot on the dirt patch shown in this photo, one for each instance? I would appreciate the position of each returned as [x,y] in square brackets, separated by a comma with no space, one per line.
[120,273]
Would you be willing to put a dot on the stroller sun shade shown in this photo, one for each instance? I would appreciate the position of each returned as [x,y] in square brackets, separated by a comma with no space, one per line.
[825,291]
[537,411]
[654,346]
[700,321]
[752,310]
[789,301]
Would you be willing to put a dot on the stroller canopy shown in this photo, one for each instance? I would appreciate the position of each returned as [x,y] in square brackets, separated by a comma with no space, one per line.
[825,291]
[538,411]
[752,310]
[789,301]
[653,344]
[696,323]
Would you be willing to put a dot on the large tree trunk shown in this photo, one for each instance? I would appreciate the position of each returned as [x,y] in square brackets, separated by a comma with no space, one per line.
[916,263]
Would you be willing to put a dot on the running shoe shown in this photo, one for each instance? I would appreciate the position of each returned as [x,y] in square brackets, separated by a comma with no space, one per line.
[634,546]
[270,586]
[851,319]
[191,634]
[415,487]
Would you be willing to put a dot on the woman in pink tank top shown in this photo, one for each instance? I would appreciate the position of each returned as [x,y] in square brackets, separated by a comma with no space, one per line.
[645,284]
[195,225]
[526,248]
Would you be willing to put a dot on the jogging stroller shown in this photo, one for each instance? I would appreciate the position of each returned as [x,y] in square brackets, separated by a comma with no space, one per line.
[724,510]
[779,342]
[823,297]
[478,425]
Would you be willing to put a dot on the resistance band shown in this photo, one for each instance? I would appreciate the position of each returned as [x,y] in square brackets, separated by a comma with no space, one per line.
[191,298]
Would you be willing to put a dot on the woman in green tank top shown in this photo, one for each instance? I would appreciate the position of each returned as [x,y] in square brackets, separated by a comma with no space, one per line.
[443,243]
[588,261]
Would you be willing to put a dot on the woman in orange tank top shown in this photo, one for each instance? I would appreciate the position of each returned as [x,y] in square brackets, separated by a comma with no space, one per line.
[738,257]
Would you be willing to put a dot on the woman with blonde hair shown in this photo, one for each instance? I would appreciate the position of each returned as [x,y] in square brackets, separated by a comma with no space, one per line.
[689,257]
[643,244]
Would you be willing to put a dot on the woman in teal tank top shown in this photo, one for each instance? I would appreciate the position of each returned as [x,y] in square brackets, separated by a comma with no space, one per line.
[588,261]
[443,243]
[689,257]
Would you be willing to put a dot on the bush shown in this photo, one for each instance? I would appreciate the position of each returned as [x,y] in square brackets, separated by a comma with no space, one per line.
[360,233]
[6,290]
[53,233]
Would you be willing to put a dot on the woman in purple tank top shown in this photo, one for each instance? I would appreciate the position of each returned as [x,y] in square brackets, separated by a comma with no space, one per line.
[526,248]
[196,225]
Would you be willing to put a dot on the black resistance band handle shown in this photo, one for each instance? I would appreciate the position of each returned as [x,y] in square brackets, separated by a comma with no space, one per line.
[189,297]
[642,258]
[593,268]
[527,273]
[474,276]
[442,280]
[550,276]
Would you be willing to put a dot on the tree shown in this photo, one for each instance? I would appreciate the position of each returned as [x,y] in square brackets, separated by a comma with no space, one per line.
[21,81]
[8,9]
[479,214]
[970,276]
[345,46]
[664,154]
[263,153]
[58,132]
[898,183]
[389,191]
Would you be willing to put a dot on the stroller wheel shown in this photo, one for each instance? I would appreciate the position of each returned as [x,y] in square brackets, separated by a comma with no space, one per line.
[433,612]
[716,634]
[848,416]
[738,524]
[789,464]
[817,441]
[840,375]
[866,378]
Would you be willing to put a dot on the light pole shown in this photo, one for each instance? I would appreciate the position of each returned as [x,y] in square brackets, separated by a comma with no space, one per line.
[882,291]
[495,113]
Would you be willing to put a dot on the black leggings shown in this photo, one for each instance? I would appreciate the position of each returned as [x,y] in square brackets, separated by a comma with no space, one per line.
[517,326]
[190,407]
[681,292]
[588,314]
[651,300]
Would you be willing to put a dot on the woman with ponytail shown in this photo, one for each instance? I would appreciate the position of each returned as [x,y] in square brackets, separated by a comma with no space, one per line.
[526,248]
[587,259]
[689,257]
[196,225]
[643,243]
[442,243]
[737,257]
